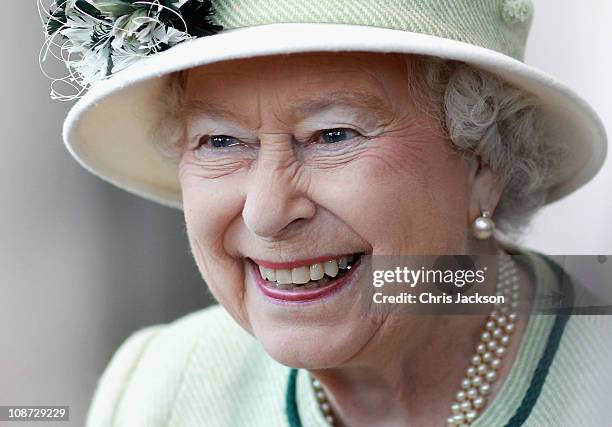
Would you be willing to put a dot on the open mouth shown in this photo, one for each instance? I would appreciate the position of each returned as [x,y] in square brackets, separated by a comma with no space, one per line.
[305,281]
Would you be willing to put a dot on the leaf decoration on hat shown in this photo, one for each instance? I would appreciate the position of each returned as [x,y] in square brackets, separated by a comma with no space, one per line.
[98,38]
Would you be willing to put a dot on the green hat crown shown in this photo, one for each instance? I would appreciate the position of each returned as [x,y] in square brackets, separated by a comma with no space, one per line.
[98,38]
[500,25]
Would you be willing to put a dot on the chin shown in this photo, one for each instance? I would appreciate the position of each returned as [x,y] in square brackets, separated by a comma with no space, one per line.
[312,347]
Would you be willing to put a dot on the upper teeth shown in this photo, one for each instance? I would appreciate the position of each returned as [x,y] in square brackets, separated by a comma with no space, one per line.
[306,273]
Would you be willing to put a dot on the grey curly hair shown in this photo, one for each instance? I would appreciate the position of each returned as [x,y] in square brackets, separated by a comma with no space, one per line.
[478,113]
[482,114]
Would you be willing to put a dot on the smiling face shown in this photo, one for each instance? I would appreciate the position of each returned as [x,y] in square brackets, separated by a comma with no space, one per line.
[292,161]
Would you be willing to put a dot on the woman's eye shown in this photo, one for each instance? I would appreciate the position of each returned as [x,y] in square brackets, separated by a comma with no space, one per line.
[331,136]
[219,141]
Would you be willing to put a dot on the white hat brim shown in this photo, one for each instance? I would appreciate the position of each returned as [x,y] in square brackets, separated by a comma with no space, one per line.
[108,129]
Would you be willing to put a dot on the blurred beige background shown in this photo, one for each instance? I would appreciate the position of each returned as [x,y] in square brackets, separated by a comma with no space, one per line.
[573,41]
[82,264]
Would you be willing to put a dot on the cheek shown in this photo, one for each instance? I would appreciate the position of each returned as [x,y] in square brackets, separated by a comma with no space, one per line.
[401,197]
[210,208]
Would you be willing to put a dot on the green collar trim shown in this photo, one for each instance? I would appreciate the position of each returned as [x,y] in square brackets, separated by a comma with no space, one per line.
[291,408]
[552,345]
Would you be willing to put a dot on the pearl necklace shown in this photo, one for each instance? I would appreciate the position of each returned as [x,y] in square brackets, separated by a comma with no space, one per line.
[487,360]
[323,403]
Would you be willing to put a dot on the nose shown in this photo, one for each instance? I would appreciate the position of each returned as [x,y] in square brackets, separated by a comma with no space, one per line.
[277,189]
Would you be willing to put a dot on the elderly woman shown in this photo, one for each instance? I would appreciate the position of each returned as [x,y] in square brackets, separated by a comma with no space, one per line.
[302,141]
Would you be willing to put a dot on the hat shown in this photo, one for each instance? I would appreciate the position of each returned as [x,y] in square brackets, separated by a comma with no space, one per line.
[127,49]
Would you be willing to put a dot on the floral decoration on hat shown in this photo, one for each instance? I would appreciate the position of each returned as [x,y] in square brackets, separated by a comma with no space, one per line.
[97,38]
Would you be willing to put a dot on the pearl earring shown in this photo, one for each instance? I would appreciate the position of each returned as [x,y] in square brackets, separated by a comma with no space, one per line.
[483,226]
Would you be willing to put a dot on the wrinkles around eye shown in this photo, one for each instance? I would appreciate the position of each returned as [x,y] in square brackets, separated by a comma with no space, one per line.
[321,157]
[216,166]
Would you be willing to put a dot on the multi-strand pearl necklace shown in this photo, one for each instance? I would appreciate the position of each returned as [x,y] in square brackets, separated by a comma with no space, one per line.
[493,346]
[485,364]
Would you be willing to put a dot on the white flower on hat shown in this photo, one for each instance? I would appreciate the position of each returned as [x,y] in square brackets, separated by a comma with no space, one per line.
[97,38]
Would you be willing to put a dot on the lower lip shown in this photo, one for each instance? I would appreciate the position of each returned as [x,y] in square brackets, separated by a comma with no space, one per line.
[304,295]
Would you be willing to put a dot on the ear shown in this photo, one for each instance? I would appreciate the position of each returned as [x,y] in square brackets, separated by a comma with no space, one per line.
[486,190]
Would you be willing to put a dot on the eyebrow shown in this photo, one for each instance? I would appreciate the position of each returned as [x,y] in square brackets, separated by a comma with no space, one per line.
[355,100]
[298,108]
